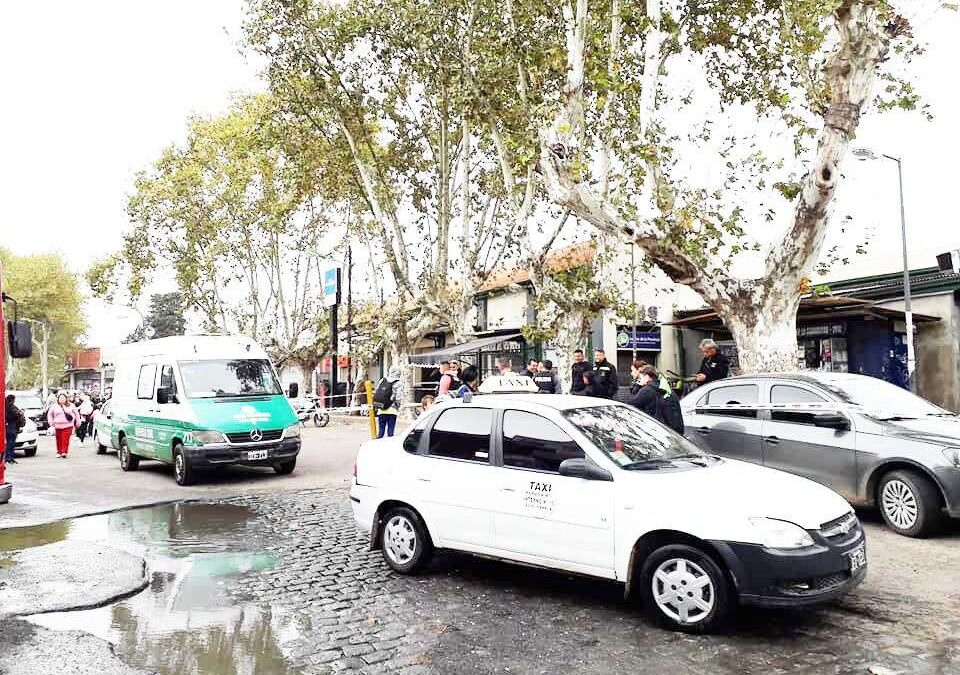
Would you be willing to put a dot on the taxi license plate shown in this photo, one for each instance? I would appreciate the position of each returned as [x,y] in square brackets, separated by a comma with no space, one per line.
[257,454]
[858,558]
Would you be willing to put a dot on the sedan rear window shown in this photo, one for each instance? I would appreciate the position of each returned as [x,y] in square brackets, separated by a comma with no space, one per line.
[737,394]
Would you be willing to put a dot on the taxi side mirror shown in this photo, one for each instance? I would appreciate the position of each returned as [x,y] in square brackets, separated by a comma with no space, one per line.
[584,468]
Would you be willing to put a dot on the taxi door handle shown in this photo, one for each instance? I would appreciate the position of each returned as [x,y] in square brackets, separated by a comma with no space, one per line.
[422,479]
[772,440]
[507,489]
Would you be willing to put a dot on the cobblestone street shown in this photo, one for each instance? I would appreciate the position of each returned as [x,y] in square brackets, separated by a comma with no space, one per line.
[472,616]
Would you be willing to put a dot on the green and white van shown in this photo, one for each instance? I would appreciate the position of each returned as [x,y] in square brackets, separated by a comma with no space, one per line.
[201,401]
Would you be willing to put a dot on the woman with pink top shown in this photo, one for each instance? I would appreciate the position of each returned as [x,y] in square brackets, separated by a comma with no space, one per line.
[63,418]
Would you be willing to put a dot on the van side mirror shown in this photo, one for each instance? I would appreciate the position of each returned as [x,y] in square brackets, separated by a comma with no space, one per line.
[166,395]
[294,390]
[831,420]
[584,468]
[21,339]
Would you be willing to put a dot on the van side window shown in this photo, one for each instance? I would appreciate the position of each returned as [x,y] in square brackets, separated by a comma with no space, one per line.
[148,374]
[167,380]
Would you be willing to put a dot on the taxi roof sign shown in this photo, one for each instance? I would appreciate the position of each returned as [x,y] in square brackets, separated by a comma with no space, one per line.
[508,384]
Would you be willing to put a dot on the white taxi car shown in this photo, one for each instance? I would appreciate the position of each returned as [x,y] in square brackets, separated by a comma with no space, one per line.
[595,487]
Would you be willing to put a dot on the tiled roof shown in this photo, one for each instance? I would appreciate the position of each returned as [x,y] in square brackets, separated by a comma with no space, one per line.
[560,260]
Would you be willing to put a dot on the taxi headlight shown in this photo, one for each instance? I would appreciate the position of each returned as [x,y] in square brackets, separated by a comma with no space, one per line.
[292,431]
[953,456]
[775,533]
[207,437]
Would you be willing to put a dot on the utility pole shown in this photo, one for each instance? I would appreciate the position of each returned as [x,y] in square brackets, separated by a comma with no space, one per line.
[633,299]
[350,321]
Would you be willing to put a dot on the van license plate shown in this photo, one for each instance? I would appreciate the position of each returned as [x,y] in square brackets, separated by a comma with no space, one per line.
[257,454]
[858,558]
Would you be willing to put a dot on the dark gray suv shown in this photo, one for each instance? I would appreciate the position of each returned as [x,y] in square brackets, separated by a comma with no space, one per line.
[871,441]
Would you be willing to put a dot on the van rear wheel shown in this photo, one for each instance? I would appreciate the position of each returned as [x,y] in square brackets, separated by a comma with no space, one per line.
[183,471]
[128,461]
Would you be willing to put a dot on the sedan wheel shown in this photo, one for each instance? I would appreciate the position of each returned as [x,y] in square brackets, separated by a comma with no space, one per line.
[684,589]
[910,503]
[405,542]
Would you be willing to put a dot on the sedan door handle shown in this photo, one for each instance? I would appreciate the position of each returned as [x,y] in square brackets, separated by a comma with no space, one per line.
[703,430]
[772,440]
[424,480]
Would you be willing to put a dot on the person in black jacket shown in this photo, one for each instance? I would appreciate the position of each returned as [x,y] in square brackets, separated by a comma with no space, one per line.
[590,387]
[606,379]
[715,366]
[647,396]
[579,367]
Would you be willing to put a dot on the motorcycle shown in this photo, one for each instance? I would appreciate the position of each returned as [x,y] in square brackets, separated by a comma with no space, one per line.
[312,411]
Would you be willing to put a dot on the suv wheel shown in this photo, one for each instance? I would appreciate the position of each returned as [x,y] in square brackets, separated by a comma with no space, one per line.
[684,589]
[405,541]
[183,471]
[128,460]
[910,503]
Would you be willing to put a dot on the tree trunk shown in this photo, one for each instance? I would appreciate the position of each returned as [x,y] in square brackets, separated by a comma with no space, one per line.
[571,334]
[765,331]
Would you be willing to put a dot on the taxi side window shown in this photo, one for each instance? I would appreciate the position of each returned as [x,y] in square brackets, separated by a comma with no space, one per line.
[533,442]
[411,443]
[462,433]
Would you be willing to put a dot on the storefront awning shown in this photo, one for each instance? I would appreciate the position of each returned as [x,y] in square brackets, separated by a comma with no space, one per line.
[433,359]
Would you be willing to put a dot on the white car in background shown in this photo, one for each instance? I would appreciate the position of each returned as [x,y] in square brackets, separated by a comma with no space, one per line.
[27,439]
[596,487]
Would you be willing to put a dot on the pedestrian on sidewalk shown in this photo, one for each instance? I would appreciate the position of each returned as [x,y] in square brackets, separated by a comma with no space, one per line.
[450,380]
[645,393]
[606,376]
[546,380]
[577,369]
[63,418]
[469,379]
[15,421]
[85,409]
[386,401]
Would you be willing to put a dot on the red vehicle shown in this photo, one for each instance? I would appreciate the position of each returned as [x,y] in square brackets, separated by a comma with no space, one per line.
[15,335]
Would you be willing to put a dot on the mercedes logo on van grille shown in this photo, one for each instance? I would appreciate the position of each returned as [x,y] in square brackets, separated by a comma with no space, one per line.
[256,435]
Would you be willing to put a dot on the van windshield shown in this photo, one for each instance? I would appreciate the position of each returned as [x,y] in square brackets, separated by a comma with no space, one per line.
[229,377]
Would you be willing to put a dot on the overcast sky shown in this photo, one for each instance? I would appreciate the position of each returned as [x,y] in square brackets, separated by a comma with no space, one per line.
[94,90]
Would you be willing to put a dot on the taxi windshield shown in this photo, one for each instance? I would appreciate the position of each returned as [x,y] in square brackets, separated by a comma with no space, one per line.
[228,377]
[629,437]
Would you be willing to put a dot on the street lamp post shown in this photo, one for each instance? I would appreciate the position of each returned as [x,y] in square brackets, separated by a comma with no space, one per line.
[867,154]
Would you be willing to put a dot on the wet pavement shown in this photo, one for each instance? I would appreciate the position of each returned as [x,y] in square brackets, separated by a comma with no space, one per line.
[284,583]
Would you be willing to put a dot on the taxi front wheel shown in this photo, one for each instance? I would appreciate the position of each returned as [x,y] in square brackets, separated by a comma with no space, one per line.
[684,589]
[405,541]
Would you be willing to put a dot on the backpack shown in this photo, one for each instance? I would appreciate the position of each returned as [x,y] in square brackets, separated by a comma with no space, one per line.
[670,413]
[383,396]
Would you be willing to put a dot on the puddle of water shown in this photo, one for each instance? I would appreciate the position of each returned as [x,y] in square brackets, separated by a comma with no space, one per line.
[185,621]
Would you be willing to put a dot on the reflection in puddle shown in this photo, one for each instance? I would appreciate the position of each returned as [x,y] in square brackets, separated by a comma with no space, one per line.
[184,622]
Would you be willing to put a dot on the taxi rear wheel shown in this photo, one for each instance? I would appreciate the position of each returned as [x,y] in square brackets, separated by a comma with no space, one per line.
[684,589]
[404,540]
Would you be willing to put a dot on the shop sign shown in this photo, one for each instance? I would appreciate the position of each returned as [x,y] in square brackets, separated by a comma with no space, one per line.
[822,330]
[641,340]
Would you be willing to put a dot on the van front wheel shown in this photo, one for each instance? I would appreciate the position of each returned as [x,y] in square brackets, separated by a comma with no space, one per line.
[183,471]
[284,468]
[128,461]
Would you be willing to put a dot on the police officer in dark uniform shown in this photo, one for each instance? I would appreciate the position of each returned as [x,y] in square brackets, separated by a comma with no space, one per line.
[606,376]
[546,380]
[715,366]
